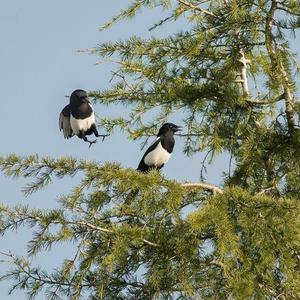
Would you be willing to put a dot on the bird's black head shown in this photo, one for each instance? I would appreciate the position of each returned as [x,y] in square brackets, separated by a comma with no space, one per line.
[168,127]
[78,97]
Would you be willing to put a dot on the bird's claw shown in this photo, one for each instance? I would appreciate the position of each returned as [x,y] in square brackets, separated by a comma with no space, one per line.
[95,141]
[103,136]
[92,142]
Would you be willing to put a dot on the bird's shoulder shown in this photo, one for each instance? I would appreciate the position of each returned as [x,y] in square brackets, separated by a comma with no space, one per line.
[153,146]
[66,111]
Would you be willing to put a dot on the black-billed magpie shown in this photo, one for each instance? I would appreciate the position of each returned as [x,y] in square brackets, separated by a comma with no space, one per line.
[160,151]
[78,118]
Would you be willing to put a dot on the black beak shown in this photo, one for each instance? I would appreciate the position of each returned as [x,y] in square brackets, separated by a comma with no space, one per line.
[177,128]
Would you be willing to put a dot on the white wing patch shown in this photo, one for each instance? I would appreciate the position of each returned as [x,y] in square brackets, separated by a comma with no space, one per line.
[65,126]
[78,125]
[157,157]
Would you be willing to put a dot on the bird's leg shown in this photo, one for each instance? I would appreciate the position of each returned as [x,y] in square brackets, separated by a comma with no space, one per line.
[103,136]
[91,142]
[95,131]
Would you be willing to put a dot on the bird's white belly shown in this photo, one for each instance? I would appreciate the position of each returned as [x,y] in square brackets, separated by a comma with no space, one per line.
[78,125]
[157,157]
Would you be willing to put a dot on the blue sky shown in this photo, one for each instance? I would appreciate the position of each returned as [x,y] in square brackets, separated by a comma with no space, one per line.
[39,66]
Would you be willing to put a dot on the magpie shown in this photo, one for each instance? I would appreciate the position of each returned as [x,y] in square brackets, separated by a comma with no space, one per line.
[160,151]
[78,118]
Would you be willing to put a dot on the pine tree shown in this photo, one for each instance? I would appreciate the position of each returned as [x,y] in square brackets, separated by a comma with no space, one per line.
[231,78]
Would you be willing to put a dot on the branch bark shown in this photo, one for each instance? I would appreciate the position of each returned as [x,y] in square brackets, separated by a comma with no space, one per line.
[205,186]
[266,102]
[219,264]
[102,229]
[244,81]
[288,98]
[192,6]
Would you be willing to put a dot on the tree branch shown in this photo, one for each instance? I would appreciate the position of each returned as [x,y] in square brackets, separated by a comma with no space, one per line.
[37,277]
[277,61]
[206,186]
[288,98]
[192,6]
[24,217]
[266,102]
[102,229]
[244,81]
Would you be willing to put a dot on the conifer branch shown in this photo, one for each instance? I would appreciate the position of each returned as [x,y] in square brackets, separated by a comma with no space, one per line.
[288,97]
[219,264]
[206,186]
[244,81]
[192,6]
[277,62]
[190,238]
[23,217]
[102,229]
[268,101]
[35,274]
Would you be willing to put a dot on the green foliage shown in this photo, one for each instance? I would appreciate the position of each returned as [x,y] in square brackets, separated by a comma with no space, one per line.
[230,77]
[197,73]
[232,244]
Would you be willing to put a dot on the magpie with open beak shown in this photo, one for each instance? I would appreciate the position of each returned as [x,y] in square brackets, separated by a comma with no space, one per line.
[78,118]
[160,151]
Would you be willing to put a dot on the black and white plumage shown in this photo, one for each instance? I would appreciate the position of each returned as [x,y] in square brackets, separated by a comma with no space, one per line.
[78,118]
[160,151]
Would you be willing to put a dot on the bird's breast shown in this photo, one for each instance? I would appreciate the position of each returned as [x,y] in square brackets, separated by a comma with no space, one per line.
[82,111]
[157,157]
[79,125]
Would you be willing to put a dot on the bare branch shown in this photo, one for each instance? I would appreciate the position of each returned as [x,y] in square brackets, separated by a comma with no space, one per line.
[217,263]
[244,79]
[206,186]
[288,97]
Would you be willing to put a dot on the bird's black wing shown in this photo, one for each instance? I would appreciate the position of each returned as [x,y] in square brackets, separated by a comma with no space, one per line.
[142,166]
[64,122]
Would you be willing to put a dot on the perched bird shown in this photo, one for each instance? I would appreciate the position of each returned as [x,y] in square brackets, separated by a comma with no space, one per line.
[160,151]
[78,118]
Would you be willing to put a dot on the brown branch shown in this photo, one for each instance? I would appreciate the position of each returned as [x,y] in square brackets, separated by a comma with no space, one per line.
[192,6]
[244,79]
[217,263]
[205,186]
[280,296]
[288,97]
[266,102]
[267,191]
[25,217]
[89,225]
[102,229]
[221,265]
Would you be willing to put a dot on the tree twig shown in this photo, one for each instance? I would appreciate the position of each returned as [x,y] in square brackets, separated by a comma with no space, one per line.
[244,79]
[102,229]
[266,102]
[206,186]
[192,6]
